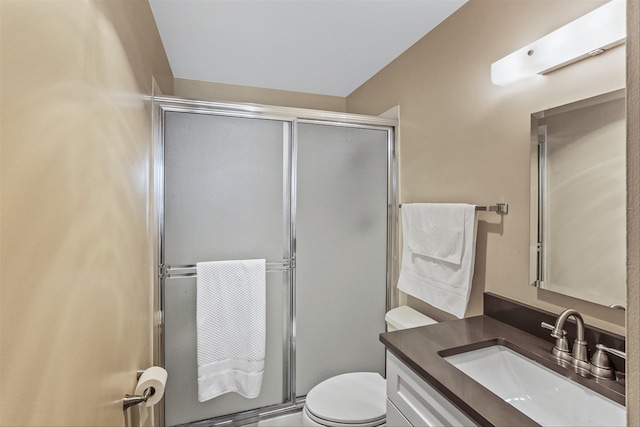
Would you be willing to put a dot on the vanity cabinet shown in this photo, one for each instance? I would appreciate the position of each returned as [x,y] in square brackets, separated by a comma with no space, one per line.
[413,402]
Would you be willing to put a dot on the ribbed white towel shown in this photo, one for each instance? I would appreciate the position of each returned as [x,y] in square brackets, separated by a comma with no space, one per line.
[231,318]
[438,254]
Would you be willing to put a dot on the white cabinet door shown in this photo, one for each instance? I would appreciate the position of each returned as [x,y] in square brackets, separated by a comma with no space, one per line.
[418,402]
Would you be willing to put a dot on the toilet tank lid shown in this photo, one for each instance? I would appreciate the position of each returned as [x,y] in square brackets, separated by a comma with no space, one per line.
[405,317]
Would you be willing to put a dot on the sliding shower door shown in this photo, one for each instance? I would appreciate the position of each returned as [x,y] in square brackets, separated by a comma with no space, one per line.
[341,251]
[313,194]
[226,188]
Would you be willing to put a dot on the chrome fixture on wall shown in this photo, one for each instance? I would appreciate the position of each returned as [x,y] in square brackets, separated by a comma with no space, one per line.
[499,208]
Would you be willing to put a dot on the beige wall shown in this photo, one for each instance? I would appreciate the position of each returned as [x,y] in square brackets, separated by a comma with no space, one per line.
[633,213]
[207,91]
[465,140]
[75,233]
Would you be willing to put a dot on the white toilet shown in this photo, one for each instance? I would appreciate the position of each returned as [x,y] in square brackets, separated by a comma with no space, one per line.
[357,399]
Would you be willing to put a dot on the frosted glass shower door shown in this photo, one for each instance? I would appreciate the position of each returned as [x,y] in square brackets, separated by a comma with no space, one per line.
[226,186]
[341,251]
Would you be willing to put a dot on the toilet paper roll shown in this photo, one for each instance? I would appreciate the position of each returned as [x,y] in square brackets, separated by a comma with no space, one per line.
[155,377]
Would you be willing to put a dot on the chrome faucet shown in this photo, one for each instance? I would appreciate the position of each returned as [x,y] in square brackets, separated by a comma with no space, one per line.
[599,366]
[578,355]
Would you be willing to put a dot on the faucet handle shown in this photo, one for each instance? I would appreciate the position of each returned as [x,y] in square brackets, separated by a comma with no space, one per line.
[600,363]
[612,351]
[561,347]
[556,333]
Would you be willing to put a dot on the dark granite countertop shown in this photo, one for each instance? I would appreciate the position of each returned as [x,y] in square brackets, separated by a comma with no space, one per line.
[423,348]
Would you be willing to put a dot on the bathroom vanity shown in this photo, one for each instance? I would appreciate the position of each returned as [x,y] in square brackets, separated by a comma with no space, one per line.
[424,386]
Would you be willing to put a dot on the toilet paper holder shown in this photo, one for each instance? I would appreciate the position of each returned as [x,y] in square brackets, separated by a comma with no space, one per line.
[134,399]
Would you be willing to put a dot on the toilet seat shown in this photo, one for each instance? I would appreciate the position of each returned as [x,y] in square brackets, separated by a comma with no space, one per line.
[356,399]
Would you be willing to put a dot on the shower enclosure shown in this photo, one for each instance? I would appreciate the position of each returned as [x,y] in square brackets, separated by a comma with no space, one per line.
[311,192]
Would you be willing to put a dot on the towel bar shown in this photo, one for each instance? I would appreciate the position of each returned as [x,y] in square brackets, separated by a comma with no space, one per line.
[499,208]
[182,271]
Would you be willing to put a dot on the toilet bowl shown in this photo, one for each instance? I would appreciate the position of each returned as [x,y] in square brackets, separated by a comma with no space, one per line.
[357,399]
[354,399]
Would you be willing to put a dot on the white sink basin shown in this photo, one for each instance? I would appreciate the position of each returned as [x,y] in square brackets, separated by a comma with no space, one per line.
[538,392]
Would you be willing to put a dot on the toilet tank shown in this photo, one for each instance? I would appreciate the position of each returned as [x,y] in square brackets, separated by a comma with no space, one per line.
[404,317]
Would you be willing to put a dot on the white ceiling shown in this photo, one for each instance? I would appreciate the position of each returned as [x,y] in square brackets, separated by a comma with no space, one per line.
[328,47]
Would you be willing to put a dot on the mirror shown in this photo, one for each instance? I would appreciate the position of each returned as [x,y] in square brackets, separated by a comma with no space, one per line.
[578,199]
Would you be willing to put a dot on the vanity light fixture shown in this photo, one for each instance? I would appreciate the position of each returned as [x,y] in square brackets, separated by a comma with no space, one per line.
[589,35]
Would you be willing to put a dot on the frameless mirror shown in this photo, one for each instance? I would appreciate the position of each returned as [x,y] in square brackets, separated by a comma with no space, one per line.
[578,199]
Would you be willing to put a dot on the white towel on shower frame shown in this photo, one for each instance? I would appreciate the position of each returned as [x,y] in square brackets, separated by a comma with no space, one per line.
[438,254]
[231,327]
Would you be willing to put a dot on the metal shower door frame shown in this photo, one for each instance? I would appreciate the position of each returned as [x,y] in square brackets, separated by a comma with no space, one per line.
[161,106]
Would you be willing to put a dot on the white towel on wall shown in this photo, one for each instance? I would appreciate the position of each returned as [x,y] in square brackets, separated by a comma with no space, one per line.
[231,327]
[438,254]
